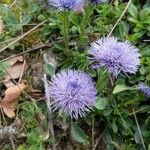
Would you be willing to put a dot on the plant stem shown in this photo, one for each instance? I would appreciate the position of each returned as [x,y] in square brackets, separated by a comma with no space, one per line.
[139,130]
[84,22]
[50,121]
[65,28]
[83,26]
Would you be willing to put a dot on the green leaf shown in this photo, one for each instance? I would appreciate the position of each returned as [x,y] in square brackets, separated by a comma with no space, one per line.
[133,10]
[114,127]
[123,29]
[49,69]
[60,46]
[107,112]
[3,67]
[144,14]
[133,20]
[101,103]
[26,19]
[78,134]
[137,137]
[101,84]
[91,72]
[120,87]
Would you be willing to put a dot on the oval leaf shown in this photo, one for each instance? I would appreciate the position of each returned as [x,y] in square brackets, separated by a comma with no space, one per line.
[49,69]
[120,87]
[101,103]
[78,134]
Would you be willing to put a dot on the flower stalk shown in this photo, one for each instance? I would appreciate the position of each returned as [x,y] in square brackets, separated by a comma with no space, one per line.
[65,29]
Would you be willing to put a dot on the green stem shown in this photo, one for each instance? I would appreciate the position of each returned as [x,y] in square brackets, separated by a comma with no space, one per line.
[84,23]
[82,30]
[65,28]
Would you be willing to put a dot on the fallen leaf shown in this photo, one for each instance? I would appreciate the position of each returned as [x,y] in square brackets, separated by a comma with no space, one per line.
[14,60]
[11,98]
[13,72]
[8,111]
[16,70]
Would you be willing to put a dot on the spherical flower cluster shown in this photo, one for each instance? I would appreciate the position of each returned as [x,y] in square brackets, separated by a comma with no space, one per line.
[72,92]
[118,57]
[75,5]
[144,88]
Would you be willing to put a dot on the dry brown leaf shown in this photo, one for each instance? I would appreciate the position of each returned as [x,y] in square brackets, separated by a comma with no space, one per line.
[14,60]
[8,111]
[1,25]
[13,72]
[11,98]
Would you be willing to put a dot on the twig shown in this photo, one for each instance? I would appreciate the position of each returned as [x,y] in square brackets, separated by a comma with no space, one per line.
[50,120]
[148,40]
[98,141]
[120,18]
[22,36]
[23,24]
[21,30]
[2,145]
[12,143]
[139,130]
[93,132]
[13,3]
[4,119]
[3,42]
[27,51]
[22,71]
[116,145]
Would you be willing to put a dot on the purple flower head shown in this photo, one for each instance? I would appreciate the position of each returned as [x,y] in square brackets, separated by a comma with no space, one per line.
[75,5]
[118,57]
[72,92]
[144,88]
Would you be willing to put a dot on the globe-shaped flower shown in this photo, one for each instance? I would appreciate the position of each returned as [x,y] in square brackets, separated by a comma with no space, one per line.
[72,92]
[118,57]
[75,5]
[144,88]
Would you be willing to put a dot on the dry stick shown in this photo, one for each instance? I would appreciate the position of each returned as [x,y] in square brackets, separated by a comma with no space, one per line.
[9,40]
[21,30]
[12,143]
[50,120]
[27,51]
[139,130]
[148,40]
[120,18]
[93,143]
[13,3]
[22,71]
[98,140]
[115,145]
[22,36]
